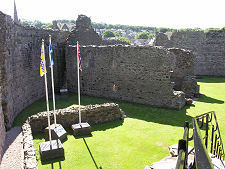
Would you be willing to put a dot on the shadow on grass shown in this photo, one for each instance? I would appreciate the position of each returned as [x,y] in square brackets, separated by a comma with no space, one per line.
[105,126]
[54,162]
[210,79]
[92,157]
[95,127]
[208,99]
[158,115]
[138,111]
[85,136]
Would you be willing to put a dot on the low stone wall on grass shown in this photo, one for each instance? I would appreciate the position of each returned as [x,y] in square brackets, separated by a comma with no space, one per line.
[93,114]
[30,161]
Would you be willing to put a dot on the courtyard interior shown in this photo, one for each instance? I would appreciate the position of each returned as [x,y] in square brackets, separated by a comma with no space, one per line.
[140,139]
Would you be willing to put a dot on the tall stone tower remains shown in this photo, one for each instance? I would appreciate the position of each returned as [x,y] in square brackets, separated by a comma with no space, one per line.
[16,20]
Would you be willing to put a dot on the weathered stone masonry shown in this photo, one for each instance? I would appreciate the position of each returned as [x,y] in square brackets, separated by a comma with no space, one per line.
[93,114]
[182,65]
[134,74]
[2,77]
[20,54]
[209,49]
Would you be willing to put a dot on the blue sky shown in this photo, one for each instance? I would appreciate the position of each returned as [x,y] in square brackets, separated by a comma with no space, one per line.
[159,13]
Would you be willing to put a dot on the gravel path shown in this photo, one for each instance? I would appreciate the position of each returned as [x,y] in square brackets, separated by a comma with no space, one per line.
[13,150]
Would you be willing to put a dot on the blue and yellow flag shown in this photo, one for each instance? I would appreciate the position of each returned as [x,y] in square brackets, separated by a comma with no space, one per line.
[42,63]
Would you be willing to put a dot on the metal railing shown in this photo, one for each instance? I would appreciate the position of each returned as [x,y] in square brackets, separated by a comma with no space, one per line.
[211,125]
[208,122]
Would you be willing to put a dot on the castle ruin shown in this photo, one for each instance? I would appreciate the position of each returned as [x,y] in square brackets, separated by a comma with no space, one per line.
[151,75]
[208,48]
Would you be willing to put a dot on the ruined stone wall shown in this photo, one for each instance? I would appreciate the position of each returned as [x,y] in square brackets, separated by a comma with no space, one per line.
[182,62]
[208,48]
[93,114]
[134,74]
[21,48]
[2,77]
[86,35]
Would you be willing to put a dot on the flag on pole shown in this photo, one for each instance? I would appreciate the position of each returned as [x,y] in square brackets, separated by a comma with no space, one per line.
[50,53]
[52,76]
[44,72]
[42,63]
[79,57]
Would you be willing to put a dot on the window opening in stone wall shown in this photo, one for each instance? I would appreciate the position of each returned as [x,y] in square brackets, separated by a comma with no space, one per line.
[27,53]
[90,61]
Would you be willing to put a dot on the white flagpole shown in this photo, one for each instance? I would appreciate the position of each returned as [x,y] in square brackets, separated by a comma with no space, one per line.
[78,82]
[53,89]
[46,92]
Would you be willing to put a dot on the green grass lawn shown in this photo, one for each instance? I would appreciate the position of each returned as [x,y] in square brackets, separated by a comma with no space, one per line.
[140,139]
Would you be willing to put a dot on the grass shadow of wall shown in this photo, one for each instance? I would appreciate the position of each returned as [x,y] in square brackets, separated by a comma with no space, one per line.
[211,79]
[158,115]
[139,111]
[208,99]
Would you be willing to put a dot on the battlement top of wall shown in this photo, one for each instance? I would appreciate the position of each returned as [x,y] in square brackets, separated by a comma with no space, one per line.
[190,33]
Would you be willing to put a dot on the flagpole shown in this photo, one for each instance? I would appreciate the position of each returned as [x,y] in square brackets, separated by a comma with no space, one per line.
[46,92]
[53,89]
[78,83]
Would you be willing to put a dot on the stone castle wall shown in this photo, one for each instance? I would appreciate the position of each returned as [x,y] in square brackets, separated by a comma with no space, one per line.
[134,74]
[208,48]
[2,78]
[20,54]
[182,62]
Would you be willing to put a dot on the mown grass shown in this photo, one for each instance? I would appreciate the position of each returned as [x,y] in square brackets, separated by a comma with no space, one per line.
[140,139]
